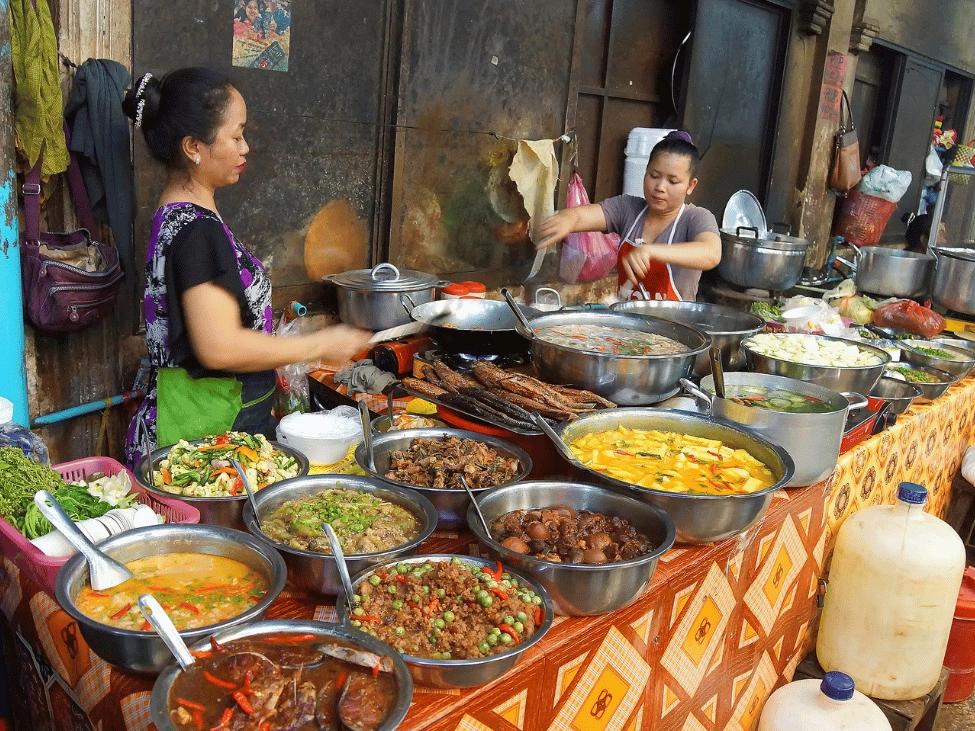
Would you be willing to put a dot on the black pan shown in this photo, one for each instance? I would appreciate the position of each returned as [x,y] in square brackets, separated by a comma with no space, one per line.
[474,326]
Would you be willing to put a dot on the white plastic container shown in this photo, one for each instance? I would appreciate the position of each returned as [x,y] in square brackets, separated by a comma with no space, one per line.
[831,704]
[324,437]
[891,597]
[639,145]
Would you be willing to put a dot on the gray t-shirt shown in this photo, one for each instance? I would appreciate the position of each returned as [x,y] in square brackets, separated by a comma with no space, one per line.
[623,211]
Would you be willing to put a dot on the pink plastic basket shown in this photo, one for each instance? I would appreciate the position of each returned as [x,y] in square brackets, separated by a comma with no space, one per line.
[44,569]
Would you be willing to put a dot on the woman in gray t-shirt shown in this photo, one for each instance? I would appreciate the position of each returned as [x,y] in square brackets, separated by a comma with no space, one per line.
[685,238]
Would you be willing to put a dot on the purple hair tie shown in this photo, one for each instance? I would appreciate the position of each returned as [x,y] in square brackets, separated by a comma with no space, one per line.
[681,135]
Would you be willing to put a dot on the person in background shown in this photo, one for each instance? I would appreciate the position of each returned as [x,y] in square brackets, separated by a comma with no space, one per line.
[277,18]
[666,242]
[918,232]
[207,301]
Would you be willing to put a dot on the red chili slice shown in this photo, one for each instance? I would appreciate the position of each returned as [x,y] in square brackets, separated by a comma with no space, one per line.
[123,611]
[218,682]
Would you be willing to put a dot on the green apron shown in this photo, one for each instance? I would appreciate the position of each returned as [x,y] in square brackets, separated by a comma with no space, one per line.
[193,408]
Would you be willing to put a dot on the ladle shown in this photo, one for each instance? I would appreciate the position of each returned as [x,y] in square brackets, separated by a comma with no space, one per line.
[523,328]
[104,572]
[249,490]
[333,541]
[156,616]
[477,508]
[367,434]
[717,370]
[560,445]
[390,407]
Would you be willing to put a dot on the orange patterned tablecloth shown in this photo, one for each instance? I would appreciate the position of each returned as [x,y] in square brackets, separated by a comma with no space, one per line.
[720,626]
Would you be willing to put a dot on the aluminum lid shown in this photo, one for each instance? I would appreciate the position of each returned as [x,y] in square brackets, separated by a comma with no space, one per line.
[968,254]
[743,209]
[385,278]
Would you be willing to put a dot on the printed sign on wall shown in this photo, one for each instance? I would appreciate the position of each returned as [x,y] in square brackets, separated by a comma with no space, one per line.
[262,34]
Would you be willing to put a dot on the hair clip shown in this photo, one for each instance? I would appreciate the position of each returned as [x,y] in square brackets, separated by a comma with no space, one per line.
[142,85]
[138,113]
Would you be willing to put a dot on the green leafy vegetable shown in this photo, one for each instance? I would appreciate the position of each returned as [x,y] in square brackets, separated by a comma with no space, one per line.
[767,311]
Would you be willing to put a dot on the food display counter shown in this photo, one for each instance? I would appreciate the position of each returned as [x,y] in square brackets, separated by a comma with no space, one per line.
[719,627]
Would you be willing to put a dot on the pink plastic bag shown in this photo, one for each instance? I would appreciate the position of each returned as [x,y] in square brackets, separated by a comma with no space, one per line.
[589,255]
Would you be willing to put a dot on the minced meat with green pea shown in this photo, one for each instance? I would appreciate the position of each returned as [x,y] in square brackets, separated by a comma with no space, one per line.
[447,610]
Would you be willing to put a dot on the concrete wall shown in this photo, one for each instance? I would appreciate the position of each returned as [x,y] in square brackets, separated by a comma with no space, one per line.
[941,29]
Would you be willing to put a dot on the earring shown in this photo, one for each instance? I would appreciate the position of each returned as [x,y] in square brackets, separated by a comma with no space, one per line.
[197,161]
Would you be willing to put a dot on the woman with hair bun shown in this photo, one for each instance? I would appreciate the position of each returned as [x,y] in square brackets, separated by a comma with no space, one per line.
[207,299]
[683,238]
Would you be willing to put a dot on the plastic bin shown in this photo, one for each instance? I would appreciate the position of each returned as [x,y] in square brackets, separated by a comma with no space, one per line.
[44,569]
[639,145]
[960,655]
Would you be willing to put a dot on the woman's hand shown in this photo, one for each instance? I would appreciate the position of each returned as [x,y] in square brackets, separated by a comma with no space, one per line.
[572,220]
[339,343]
[636,263]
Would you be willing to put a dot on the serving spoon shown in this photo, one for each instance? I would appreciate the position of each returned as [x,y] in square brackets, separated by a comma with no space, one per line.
[333,541]
[249,490]
[104,572]
[156,616]
[559,443]
[717,371]
[367,434]
[477,508]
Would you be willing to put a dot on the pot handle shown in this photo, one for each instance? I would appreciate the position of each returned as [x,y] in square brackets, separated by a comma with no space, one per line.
[384,267]
[739,229]
[697,392]
[409,308]
[857,249]
[857,401]
[558,297]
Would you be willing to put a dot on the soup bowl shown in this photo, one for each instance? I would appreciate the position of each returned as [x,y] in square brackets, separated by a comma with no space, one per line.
[318,572]
[145,652]
[159,703]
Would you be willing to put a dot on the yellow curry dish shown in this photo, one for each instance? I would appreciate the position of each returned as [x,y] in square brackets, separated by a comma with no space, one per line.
[195,589]
[672,462]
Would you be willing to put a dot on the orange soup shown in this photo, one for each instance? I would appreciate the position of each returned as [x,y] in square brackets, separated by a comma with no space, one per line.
[195,589]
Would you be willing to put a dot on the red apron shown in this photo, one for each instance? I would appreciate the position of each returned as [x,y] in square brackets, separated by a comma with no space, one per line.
[659,281]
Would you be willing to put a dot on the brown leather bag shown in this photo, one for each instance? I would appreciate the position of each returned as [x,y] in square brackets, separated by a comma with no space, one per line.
[844,173]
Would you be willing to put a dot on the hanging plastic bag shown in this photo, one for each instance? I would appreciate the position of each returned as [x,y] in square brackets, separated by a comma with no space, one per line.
[589,255]
[292,379]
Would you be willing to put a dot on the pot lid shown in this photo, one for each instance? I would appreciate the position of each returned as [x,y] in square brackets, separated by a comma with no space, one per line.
[743,209]
[968,254]
[385,278]
[775,242]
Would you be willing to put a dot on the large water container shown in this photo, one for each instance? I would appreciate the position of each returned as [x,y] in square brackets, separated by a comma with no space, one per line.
[638,147]
[891,596]
[827,705]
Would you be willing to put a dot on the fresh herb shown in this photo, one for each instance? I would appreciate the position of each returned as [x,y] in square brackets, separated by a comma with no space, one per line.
[913,376]
[20,478]
[767,311]
[934,352]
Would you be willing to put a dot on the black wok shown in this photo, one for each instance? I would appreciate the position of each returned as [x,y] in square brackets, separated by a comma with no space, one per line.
[474,326]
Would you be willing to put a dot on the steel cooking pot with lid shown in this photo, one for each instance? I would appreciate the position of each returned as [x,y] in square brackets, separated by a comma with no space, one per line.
[773,263]
[954,278]
[892,272]
[369,298]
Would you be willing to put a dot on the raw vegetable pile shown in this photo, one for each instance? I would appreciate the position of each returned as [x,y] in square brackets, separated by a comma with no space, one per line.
[21,477]
[803,348]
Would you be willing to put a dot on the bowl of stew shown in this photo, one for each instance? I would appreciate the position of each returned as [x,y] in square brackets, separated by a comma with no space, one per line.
[458,621]
[593,550]
[208,578]
[375,523]
[302,674]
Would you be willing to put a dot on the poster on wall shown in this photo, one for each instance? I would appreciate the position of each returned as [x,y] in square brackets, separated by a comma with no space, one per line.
[262,34]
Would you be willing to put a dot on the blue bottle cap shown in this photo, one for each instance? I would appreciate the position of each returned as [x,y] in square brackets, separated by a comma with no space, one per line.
[838,686]
[912,493]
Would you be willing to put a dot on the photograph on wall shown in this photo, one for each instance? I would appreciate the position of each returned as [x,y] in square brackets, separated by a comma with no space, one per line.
[262,34]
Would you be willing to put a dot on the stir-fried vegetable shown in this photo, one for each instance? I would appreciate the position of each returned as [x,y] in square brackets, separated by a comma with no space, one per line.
[934,352]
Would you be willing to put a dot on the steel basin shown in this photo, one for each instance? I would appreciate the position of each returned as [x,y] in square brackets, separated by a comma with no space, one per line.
[159,703]
[959,366]
[698,518]
[578,589]
[770,264]
[627,380]
[370,299]
[144,652]
[463,673]
[726,327]
[858,379]
[225,511]
[899,394]
[451,504]
[954,278]
[318,572]
[929,391]
[893,273]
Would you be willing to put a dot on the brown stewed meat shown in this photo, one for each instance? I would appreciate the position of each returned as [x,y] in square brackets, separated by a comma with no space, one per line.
[441,462]
[563,535]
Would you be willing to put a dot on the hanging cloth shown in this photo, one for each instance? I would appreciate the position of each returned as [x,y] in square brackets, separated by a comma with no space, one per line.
[38,119]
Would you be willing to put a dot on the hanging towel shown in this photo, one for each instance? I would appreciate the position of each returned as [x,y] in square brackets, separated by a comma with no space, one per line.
[100,139]
[38,121]
[535,171]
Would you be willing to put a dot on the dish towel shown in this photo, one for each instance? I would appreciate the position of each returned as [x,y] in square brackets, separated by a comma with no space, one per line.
[535,170]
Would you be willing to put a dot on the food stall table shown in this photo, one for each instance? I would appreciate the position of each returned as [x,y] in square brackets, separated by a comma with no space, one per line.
[720,626]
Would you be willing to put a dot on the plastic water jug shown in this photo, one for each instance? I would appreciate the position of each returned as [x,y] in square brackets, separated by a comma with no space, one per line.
[828,705]
[891,596]
[639,145]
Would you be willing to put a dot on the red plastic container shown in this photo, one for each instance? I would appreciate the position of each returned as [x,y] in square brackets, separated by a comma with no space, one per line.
[960,656]
[44,569]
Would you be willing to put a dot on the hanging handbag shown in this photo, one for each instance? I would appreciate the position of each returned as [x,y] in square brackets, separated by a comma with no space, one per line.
[60,297]
[844,173]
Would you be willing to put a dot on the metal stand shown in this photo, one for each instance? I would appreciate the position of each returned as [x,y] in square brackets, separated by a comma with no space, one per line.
[939,206]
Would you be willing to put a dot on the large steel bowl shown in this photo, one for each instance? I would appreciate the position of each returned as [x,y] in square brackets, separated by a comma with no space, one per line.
[317,571]
[225,511]
[726,327]
[959,365]
[463,673]
[899,394]
[145,652]
[451,504]
[855,379]
[159,703]
[578,589]
[698,518]
[929,391]
[627,380]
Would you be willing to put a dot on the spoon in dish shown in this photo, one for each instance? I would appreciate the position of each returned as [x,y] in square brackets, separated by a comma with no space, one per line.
[477,508]
[333,541]
[249,490]
[156,616]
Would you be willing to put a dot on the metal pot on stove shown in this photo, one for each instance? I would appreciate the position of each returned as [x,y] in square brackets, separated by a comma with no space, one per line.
[370,298]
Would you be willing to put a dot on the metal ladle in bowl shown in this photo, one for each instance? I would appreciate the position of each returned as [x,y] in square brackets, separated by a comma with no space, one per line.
[333,541]
[367,434]
[248,489]
[523,328]
[717,370]
[556,440]
[104,572]
[156,616]
[477,508]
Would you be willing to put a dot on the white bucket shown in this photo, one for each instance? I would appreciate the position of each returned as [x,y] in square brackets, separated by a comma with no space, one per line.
[639,145]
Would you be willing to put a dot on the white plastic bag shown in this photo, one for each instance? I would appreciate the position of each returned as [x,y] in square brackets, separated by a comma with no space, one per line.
[292,379]
[885,182]
[968,465]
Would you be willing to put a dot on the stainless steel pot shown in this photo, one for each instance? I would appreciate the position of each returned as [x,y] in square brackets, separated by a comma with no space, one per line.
[318,572]
[145,652]
[954,278]
[726,326]
[891,272]
[159,703]
[698,518]
[774,264]
[812,440]
[578,589]
[370,298]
